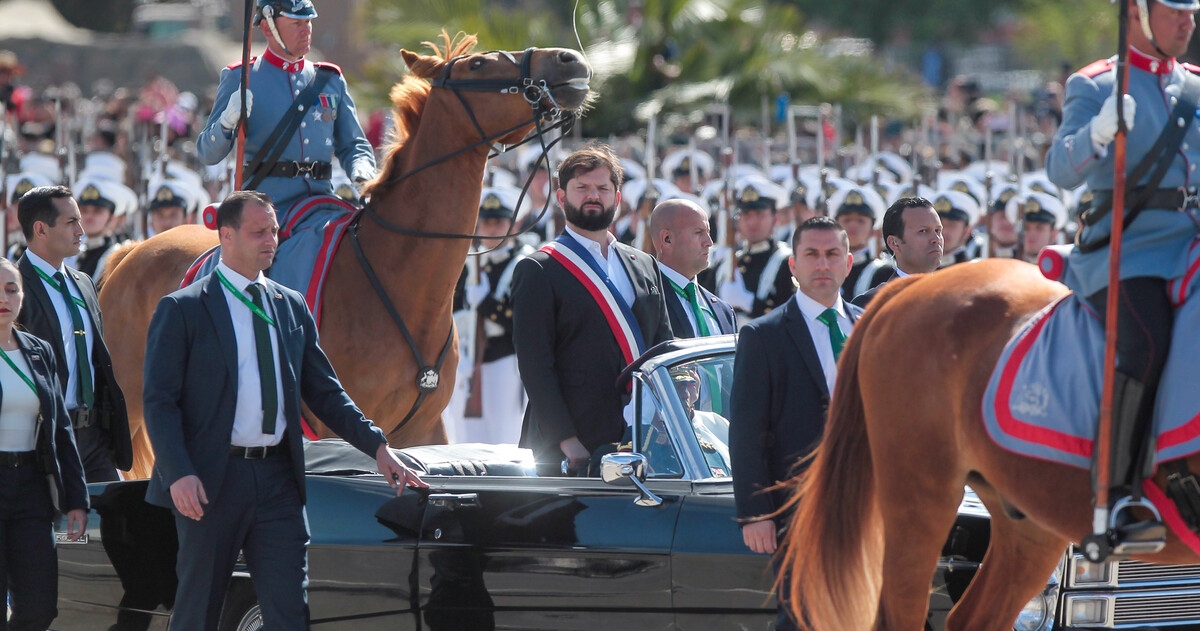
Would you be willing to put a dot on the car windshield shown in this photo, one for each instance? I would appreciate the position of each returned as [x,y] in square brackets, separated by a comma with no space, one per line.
[698,399]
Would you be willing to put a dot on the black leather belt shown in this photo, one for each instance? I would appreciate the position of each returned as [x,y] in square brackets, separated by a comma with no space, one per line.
[14,459]
[82,417]
[256,453]
[1178,199]
[311,170]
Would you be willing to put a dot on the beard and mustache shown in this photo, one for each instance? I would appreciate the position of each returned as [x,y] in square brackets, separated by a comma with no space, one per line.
[589,220]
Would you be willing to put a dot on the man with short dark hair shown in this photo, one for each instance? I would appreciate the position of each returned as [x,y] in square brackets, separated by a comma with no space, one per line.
[229,359]
[584,307]
[912,233]
[62,307]
[783,374]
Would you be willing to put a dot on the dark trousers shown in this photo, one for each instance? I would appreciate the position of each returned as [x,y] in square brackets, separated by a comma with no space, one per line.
[28,559]
[257,510]
[95,450]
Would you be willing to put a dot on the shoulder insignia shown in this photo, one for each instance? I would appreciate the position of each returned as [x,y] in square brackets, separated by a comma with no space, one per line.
[238,64]
[1097,68]
[1192,68]
[326,64]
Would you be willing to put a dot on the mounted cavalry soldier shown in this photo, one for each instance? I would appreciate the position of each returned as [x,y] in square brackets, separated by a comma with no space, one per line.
[1163,149]
[303,117]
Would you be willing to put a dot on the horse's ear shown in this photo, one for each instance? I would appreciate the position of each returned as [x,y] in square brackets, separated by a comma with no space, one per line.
[410,57]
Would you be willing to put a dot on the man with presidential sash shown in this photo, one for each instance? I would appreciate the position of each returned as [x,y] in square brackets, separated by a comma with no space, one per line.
[584,307]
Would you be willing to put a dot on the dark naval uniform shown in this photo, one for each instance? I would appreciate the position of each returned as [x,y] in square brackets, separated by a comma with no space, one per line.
[764,270]
[973,249]
[496,307]
[866,272]
[329,128]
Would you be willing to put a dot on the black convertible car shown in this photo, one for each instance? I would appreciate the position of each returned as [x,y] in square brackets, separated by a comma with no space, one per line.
[651,543]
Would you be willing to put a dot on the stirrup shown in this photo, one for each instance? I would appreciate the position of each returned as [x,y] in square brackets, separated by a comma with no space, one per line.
[1121,541]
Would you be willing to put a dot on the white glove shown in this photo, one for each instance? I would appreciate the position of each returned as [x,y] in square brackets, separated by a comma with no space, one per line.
[233,109]
[1104,126]
[735,293]
[717,254]
[476,293]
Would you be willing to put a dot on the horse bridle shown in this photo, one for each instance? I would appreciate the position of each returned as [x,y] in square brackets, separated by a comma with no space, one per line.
[544,109]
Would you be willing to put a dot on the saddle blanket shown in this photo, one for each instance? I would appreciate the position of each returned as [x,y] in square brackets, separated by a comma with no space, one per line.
[1043,398]
[310,232]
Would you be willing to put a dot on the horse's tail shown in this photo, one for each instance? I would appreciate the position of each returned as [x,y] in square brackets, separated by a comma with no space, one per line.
[833,548]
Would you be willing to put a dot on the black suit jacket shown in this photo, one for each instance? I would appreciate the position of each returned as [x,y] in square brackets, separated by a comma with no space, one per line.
[39,318]
[55,441]
[777,406]
[681,326]
[191,386]
[862,300]
[567,355]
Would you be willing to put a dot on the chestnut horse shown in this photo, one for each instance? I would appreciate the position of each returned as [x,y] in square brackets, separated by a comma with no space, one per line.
[430,182]
[905,433]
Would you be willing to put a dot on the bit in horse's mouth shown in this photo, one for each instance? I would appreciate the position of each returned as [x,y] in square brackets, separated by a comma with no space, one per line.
[580,83]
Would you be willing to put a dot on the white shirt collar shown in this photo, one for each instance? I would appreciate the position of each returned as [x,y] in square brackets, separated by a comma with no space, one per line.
[812,309]
[899,272]
[673,276]
[588,243]
[239,281]
[41,264]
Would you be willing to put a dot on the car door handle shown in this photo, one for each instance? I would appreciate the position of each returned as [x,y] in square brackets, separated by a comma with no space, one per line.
[454,501]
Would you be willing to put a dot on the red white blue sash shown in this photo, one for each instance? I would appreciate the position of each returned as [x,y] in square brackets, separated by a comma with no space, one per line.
[583,266]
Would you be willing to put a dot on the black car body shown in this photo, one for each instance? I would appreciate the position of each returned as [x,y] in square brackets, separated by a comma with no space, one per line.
[490,546]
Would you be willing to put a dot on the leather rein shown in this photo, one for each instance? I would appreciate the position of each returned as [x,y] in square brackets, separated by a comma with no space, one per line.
[544,110]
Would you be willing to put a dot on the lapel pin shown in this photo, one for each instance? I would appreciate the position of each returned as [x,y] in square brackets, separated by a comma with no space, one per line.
[632,257]
[279,296]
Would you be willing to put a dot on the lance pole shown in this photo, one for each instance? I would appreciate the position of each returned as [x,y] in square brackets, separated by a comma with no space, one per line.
[1100,514]
[240,152]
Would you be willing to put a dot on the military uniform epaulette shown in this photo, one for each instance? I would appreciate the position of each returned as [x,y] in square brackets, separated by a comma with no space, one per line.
[1098,67]
[238,64]
[330,66]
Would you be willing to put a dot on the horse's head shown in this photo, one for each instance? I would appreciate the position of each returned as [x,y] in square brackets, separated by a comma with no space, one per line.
[505,93]
[501,95]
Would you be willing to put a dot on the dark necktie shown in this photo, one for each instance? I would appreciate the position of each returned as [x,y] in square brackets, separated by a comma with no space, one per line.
[85,397]
[266,362]
[837,339]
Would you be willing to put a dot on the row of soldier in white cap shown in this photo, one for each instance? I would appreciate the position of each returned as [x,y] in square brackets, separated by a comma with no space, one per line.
[175,196]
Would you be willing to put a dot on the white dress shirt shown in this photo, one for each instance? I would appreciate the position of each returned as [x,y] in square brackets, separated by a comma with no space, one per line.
[71,388]
[248,412]
[611,264]
[682,283]
[19,412]
[820,332]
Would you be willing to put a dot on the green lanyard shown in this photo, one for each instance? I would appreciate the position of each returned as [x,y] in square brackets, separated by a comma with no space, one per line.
[53,283]
[255,309]
[22,375]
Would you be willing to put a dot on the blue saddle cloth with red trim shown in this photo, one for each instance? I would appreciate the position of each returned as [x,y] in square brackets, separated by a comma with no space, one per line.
[1043,398]
[310,232]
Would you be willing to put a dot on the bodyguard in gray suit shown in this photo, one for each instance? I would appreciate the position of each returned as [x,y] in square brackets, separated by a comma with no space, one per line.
[229,359]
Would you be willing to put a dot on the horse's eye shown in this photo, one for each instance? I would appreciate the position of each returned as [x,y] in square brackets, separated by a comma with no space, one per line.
[476,64]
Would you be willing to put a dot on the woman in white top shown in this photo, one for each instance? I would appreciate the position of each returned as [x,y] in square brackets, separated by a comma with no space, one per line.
[40,470]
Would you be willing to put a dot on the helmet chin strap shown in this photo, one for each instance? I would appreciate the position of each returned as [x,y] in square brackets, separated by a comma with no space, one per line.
[269,14]
[1143,19]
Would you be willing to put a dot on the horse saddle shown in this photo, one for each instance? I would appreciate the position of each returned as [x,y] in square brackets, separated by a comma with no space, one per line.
[310,232]
[1043,398]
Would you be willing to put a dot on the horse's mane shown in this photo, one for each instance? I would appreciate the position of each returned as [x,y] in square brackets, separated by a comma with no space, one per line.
[410,94]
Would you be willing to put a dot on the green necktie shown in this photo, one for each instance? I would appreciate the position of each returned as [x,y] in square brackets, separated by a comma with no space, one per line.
[85,397]
[266,363]
[837,339]
[697,310]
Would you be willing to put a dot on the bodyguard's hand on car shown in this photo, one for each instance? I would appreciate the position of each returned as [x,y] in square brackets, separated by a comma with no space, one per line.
[394,471]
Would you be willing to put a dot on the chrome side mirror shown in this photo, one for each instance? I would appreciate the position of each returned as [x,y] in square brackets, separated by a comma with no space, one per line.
[625,469]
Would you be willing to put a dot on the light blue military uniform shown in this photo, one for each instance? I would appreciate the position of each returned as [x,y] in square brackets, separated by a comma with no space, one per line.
[1156,243]
[329,128]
